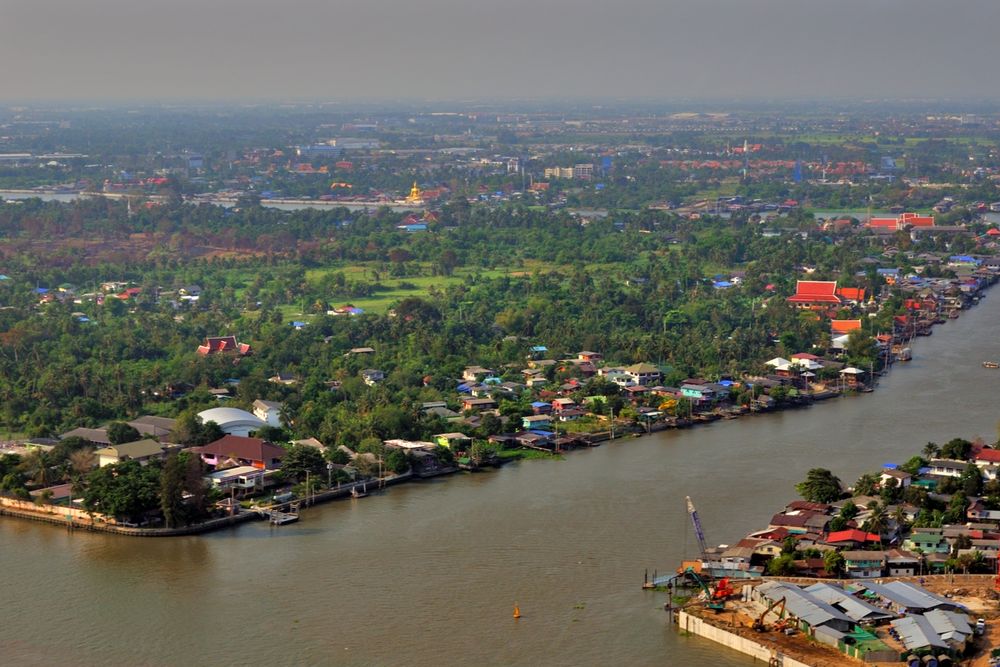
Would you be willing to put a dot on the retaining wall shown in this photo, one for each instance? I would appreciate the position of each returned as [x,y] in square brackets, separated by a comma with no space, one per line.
[701,628]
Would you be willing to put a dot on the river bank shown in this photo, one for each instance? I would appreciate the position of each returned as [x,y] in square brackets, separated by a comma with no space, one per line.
[568,544]
[59,515]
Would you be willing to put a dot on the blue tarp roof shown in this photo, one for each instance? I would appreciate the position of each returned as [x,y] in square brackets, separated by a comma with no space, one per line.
[544,434]
[465,386]
[539,404]
[723,284]
[539,348]
[890,466]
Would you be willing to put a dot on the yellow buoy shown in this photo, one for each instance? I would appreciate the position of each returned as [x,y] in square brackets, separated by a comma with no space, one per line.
[517,611]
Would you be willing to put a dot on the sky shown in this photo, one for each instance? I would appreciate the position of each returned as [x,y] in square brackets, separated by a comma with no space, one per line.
[343,50]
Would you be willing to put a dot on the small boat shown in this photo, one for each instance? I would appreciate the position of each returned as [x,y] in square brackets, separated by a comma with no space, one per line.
[359,494]
[991,364]
[517,611]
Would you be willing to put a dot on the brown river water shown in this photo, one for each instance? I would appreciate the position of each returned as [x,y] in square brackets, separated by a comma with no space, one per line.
[427,573]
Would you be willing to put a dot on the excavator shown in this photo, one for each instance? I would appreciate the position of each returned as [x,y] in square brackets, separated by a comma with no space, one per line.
[778,607]
[714,597]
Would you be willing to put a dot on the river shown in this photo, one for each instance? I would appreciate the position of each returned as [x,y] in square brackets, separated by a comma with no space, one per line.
[427,573]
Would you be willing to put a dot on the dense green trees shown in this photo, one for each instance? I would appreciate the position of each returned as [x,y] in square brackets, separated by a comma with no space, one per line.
[820,486]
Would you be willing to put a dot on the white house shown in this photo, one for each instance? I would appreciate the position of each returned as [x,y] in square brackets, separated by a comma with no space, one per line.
[269,411]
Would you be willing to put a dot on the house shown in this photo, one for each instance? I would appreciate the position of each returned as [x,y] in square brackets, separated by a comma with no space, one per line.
[98,436]
[560,404]
[644,374]
[372,376]
[852,537]
[268,411]
[478,404]
[60,494]
[310,442]
[927,541]
[476,373]
[864,564]
[142,451]
[592,357]
[361,350]
[536,421]
[541,408]
[947,467]
[815,294]
[987,458]
[902,563]
[242,451]
[843,327]
[155,427]
[570,414]
[240,480]
[224,345]
[901,477]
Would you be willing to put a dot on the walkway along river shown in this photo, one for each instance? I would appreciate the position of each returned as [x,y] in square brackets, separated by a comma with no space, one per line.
[428,573]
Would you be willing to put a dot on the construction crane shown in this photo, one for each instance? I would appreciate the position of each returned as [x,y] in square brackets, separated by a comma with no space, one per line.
[698,532]
[778,606]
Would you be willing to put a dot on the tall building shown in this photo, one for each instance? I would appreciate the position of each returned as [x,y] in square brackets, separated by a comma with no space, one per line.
[583,172]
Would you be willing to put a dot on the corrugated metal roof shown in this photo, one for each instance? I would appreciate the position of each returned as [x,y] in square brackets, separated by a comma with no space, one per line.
[857,610]
[804,606]
[949,625]
[910,596]
[917,633]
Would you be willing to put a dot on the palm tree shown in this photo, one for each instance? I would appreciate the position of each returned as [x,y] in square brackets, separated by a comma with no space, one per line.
[35,467]
[877,522]
[899,516]
[930,450]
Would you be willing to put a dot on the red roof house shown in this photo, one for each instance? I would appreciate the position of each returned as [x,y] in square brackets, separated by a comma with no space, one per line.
[815,293]
[856,294]
[890,224]
[255,452]
[988,457]
[841,327]
[851,535]
[224,344]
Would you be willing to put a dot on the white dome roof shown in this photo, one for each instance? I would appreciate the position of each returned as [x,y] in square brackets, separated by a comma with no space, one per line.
[226,417]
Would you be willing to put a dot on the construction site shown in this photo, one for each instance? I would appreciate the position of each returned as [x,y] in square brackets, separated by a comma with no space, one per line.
[928,621]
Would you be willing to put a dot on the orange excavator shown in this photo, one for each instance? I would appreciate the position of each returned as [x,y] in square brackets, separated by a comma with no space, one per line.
[723,590]
[778,607]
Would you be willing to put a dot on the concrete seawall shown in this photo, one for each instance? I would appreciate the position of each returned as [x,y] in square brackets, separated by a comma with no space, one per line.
[701,628]
[77,519]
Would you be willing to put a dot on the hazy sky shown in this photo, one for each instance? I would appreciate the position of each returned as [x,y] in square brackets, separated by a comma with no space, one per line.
[457,49]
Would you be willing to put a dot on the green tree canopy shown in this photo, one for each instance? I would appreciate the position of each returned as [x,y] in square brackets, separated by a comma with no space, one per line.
[820,486]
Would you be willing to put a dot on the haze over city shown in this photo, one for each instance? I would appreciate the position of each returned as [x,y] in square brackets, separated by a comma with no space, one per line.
[459,49]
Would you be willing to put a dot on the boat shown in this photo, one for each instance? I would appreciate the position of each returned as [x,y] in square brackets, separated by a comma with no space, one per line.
[517,611]
[991,364]
[359,494]
[905,354]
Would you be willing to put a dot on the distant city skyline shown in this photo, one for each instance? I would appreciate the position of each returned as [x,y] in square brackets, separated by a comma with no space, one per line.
[346,50]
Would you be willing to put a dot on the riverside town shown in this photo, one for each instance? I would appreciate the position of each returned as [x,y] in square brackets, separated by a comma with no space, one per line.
[316,325]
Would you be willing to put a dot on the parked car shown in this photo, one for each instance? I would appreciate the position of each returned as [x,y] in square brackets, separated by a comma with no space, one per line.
[980,626]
